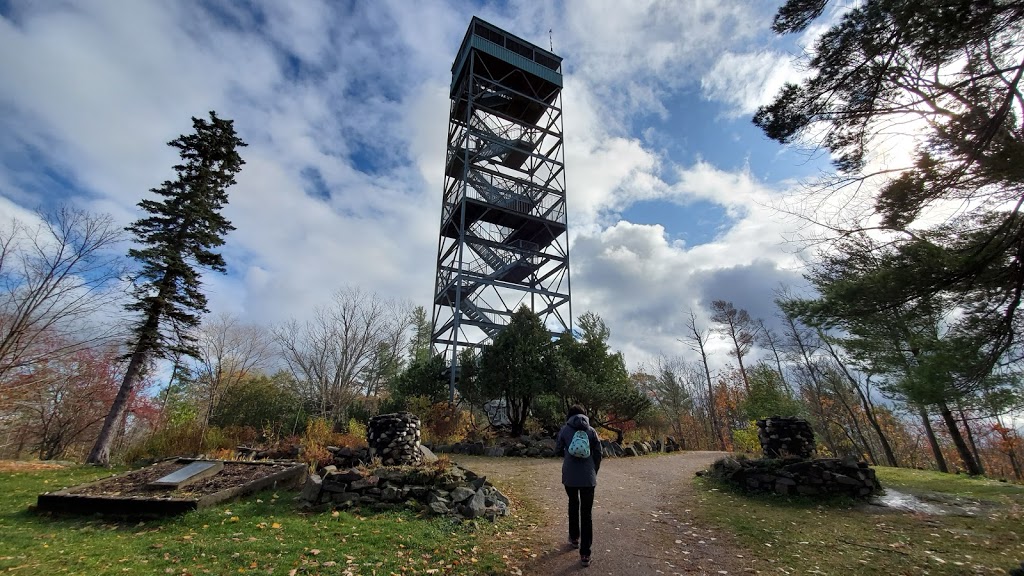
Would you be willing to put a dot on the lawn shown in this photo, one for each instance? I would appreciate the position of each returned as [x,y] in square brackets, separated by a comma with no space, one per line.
[983,533]
[262,534]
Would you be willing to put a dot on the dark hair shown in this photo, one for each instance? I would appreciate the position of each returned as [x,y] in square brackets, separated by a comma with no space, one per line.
[576,409]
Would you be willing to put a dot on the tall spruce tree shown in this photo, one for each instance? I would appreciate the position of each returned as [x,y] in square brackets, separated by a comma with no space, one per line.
[183,227]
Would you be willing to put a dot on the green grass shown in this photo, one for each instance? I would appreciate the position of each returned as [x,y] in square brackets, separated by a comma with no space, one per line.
[790,535]
[917,481]
[262,534]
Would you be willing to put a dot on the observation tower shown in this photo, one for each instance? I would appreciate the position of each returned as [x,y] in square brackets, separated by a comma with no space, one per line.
[503,239]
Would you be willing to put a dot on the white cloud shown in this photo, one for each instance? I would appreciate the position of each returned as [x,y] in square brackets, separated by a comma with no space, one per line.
[361,98]
[746,81]
[644,284]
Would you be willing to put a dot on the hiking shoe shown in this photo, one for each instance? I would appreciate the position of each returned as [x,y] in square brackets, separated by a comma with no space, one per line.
[574,542]
[585,561]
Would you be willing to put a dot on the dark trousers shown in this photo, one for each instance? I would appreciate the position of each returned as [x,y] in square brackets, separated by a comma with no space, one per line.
[581,525]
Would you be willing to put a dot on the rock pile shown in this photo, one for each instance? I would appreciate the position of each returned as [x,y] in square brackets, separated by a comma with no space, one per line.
[345,457]
[822,476]
[451,491]
[785,437]
[395,438]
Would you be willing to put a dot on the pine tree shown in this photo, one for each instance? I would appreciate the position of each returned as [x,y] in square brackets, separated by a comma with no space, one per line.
[183,227]
[741,330]
[952,73]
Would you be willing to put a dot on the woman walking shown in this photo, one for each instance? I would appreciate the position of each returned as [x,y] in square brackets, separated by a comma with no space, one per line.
[581,459]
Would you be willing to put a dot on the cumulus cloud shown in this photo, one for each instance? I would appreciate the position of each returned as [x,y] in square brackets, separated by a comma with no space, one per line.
[345,112]
[746,81]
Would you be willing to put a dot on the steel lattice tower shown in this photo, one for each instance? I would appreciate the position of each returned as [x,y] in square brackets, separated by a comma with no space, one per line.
[503,240]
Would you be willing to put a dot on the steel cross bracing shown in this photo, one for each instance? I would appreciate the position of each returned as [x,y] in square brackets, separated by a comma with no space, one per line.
[503,240]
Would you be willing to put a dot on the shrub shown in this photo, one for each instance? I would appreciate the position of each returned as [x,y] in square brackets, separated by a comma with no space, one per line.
[186,438]
[443,423]
[313,446]
[745,439]
[549,411]
[355,437]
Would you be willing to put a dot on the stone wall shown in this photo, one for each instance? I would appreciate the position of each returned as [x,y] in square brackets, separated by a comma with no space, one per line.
[785,437]
[536,446]
[823,476]
[395,438]
[451,491]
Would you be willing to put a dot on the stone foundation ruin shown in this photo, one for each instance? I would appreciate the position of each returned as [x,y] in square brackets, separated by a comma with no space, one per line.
[407,474]
[449,491]
[788,468]
[541,446]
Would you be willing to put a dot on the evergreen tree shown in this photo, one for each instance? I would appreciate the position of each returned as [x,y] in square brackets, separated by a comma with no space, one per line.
[177,237]
[955,67]
[927,356]
[426,376]
[741,330]
[517,367]
[591,375]
[419,345]
[769,396]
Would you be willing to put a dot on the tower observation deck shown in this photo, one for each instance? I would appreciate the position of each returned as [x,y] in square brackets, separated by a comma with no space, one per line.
[503,239]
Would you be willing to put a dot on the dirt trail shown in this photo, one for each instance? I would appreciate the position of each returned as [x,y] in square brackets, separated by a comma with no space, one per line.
[642,516]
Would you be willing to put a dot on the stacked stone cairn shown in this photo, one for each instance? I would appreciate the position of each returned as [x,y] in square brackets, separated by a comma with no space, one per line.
[784,437]
[402,479]
[787,467]
[395,438]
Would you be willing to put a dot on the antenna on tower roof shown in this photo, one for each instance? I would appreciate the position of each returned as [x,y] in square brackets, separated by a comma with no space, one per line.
[551,42]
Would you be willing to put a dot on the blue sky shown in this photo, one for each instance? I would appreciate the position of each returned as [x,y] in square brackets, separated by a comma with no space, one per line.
[344,106]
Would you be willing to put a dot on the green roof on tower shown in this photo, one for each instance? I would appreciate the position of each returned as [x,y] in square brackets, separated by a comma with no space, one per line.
[507,48]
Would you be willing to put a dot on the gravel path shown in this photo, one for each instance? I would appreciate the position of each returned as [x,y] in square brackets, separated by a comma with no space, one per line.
[642,517]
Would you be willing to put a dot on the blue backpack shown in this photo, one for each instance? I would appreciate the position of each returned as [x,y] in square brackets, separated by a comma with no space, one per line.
[580,444]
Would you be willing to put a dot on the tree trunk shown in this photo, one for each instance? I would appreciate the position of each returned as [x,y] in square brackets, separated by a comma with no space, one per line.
[699,337]
[711,400]
[1015,464]
[958,440]
[101,451]
[743,371]
[869,411]
[940,461]
[890,456]
[856,426]
[619,436]
[826,431]
[970,440]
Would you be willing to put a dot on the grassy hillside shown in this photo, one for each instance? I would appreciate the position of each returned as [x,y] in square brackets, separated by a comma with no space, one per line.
[980,529]
[261,534]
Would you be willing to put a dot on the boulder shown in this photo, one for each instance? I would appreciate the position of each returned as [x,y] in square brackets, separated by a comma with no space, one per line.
[311,489]
[476,505]
[427,455]
[462,493]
